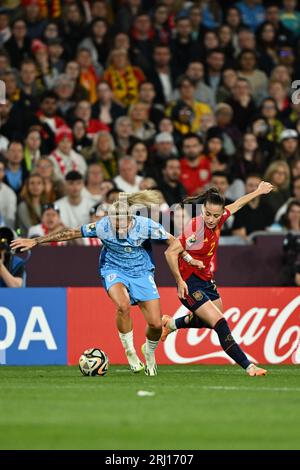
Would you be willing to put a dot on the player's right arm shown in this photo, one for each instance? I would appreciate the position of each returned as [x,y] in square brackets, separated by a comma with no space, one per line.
[175,250]
[25,244]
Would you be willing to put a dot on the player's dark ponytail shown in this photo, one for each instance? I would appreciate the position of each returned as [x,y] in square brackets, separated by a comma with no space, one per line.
[212,196]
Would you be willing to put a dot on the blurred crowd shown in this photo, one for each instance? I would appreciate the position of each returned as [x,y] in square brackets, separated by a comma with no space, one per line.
[104,96]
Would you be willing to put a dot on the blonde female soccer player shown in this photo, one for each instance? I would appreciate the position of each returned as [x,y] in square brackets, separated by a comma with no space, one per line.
[126,268]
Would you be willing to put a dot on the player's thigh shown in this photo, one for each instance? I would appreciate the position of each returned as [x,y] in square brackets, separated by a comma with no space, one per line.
[151,310]
[119,295]
[209,313]
[219,304]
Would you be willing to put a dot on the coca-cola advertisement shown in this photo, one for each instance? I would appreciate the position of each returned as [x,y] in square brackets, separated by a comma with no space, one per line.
[264,321]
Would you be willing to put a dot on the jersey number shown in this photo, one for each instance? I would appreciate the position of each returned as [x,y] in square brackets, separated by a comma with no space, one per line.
[211,251]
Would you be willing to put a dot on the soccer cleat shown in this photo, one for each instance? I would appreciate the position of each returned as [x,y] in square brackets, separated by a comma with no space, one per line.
[165,328]
[150,368]
[252,370]
[134,362]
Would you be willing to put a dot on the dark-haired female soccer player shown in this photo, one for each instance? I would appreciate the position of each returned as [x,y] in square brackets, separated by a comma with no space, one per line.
[196,288]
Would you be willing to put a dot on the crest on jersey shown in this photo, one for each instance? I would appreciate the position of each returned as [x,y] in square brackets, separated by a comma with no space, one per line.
[111,277]
[90,228]
[197,295]
[191,239]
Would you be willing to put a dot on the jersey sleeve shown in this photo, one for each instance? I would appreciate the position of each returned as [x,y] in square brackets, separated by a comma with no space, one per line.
[225,216]
[89,230]
[156,231]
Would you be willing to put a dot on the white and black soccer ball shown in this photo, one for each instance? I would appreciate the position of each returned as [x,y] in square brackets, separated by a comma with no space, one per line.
[94,362]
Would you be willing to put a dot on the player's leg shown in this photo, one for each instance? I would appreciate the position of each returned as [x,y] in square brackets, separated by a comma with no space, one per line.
[120,297]
[152,313]
[212,315]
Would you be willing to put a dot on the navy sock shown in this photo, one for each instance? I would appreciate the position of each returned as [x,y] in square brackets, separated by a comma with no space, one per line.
[229,345]
[194,322]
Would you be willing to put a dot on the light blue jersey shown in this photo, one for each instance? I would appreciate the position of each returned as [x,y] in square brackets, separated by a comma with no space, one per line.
[128,260]
[130,255]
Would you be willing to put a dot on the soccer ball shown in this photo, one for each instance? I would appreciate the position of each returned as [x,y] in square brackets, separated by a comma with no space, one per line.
[93,361]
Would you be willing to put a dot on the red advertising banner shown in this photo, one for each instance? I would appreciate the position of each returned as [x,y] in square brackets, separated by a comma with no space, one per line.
[264,321]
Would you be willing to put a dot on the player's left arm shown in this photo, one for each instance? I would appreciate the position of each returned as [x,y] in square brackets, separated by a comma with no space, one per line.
[263,188]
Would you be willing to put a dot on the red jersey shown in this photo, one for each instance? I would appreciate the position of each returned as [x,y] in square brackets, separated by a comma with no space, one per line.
[201,242]
[195,178]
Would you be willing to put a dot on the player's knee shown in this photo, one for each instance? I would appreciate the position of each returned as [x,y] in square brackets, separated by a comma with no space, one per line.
[155,325]
[123,309]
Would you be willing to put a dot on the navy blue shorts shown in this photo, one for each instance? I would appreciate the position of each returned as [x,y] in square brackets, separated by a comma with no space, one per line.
[200,291]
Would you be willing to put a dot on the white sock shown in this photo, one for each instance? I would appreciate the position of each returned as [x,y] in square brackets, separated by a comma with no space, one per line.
[151,346]
[127,341]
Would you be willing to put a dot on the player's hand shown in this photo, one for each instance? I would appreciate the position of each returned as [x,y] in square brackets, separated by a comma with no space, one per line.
[23,244]
[197,263]
[182,289]
[264,187]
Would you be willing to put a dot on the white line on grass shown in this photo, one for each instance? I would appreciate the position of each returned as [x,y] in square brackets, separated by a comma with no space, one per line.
[256,389]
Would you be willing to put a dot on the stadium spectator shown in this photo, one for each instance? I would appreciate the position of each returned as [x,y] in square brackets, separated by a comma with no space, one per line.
[295,197]
[163,149]
[8,199]
[89,74]
[195,166]
[94,178]
[289,146]
[74,207]
[249,158]
[290,17]
[64,157]
[173,191]
[256,78]
[291,219]
[203,93]
[228,82]
[18,45]
[143,128]
[83,110]
[98,41]
[54,188]
[278,174]
[253,13]
[33,196]
[254,216]
[15,171]
[163,74]
[49,120]
[32,152]
[269,112]
[128,180]
[82,143]
[139,152]
[64,88]
[103,152]
[183,48]
[12,268]
[242,103]
[123,78]
[215,61]
[50,223]
[5,31]
[123,134]
[105,108]
[147,95]
[187,101]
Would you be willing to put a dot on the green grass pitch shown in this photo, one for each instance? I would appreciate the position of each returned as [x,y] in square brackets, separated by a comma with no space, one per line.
[194,407]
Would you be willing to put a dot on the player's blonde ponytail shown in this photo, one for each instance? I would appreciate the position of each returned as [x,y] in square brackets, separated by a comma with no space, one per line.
[146,198]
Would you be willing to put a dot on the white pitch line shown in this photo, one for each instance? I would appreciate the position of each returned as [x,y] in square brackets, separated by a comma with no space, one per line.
[256,389]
